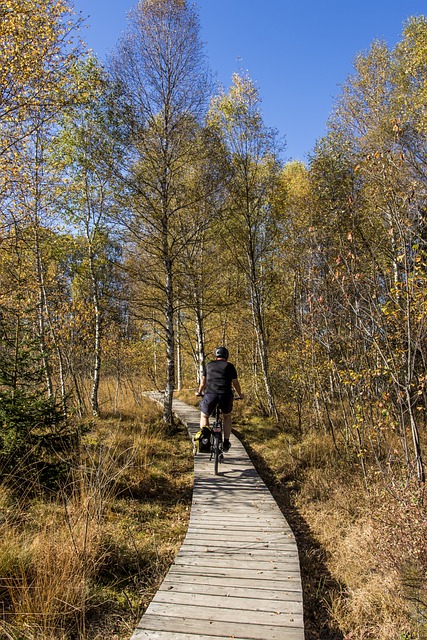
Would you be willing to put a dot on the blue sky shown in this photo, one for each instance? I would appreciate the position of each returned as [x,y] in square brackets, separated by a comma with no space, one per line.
[297,51]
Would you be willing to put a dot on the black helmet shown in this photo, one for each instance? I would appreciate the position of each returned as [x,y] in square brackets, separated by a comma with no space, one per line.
[221,352]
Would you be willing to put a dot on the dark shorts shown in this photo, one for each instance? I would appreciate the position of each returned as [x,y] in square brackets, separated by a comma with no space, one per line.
[210,400]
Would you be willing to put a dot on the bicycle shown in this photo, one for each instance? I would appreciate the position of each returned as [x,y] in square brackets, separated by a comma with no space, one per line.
[217,430]
[217,446]
[217,439]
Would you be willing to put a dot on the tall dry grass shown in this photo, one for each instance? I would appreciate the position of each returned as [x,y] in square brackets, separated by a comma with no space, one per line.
[84,562]
[363,549]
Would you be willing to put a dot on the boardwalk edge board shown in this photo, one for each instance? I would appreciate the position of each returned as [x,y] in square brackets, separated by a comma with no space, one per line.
[237,574]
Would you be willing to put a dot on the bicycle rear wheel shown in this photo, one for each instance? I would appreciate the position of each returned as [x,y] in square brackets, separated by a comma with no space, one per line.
[216,454]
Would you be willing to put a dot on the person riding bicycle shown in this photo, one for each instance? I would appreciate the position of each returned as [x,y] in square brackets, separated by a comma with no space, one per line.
[219,378]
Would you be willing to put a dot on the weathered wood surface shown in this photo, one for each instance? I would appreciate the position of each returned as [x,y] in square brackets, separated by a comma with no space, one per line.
[237,574]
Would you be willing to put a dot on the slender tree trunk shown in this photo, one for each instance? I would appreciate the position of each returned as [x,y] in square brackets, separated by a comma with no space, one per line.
[15,368]
[98,333]
[200,338]
[262,346]
[42,303]
[80,402]
[170,347]
[416,439]
[58,349]
[119,356]
[410,350]
[117,391]
[45,315]
[178,353]
[41,320]
[155,367]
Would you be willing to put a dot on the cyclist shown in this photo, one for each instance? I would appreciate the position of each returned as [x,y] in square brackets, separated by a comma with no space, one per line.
[219,378]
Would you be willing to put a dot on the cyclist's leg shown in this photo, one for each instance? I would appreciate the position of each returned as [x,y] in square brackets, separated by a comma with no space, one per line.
[226,423]
[207,405]
[226,408]
[204,420]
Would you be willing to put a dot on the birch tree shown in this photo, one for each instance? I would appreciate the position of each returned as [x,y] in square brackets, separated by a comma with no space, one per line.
[369,179]
[253,165]
[37,53]
[84,155]
[36,57]
[160,70]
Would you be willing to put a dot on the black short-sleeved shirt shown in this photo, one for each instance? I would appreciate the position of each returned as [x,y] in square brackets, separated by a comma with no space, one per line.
[219,375]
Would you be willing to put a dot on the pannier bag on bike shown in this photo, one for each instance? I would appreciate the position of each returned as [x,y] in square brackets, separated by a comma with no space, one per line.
[202,440]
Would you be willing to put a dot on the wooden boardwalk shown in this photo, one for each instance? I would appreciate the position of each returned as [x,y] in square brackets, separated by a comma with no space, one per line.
[237,574]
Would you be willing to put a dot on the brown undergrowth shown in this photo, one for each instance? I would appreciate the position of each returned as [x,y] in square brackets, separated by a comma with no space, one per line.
[84,562]
[363,550]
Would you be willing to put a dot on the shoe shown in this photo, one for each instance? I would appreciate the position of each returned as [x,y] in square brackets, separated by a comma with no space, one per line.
[226,445]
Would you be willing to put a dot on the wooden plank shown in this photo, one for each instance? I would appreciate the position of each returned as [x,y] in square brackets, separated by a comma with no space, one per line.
[257,579]
[243,512]
[236,507]
[227,590]
[236,550]
[240,543]
[142,634]
[217,528]
[206,520]
[220,629]
[237,526]
[234,502]
[217,507]
[268,507]
[243,603]
[229,530]
[208,613]
[232,573]
[238,512]
[244,536]
[292,583]
[224,561]
[212,497]
[238,517]
[224,538]
[278,535]
[237,500]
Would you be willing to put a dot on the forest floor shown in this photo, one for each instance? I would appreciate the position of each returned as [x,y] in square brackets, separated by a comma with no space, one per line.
[85,564]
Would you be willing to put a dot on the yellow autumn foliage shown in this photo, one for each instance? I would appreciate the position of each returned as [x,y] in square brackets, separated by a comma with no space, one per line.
[36,48]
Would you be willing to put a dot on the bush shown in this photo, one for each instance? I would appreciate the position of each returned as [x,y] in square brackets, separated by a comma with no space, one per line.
[36,439]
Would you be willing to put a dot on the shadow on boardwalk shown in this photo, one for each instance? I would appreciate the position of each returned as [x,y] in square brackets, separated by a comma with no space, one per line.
[317,582]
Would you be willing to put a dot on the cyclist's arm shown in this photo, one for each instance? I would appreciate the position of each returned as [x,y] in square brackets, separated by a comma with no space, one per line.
[202,385]
[236,385]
